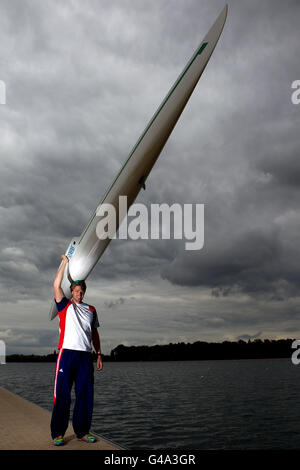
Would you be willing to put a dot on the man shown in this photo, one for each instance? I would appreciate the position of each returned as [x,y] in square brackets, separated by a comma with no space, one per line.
[78,323]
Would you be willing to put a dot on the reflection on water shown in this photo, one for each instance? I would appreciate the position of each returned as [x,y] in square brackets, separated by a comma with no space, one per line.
[183,405]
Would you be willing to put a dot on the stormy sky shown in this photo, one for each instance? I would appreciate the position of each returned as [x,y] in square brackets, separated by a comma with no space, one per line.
[82,81]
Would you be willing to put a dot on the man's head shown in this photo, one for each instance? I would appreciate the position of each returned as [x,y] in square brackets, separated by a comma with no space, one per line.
[78,289]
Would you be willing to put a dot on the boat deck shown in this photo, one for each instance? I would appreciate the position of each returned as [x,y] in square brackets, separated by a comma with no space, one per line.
[26,426]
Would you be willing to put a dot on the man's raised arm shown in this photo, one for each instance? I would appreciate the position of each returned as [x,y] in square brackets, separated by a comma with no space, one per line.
[58,292]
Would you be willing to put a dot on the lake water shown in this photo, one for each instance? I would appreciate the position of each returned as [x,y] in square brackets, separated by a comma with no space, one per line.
[189,405]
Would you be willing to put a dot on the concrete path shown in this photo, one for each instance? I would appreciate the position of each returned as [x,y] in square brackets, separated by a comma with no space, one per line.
[25,426]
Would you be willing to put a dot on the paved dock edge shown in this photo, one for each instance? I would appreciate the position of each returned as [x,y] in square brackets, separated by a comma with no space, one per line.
[26,426]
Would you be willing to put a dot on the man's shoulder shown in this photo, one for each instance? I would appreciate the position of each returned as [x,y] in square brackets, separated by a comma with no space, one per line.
[63,304]
[88,306]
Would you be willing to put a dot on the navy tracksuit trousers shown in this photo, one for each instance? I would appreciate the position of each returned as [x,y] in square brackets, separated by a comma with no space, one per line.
[73,367]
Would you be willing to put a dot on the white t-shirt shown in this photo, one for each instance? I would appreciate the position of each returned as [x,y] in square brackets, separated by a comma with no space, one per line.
[76,324]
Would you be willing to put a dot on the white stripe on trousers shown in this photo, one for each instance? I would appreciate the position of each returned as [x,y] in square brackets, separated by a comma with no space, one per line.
[56,372]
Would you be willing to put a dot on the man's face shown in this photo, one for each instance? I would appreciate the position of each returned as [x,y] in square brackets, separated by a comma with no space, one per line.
[77,294]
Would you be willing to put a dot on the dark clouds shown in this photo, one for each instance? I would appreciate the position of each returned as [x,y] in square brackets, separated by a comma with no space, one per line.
[82,80]
[247,263]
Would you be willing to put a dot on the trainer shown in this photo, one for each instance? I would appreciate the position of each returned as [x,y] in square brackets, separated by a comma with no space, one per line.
[78,323]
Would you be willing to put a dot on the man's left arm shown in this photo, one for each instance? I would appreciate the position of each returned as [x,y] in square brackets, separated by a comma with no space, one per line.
[97,347]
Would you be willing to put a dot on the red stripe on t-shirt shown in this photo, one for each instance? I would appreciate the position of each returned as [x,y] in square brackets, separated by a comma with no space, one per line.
[62,324]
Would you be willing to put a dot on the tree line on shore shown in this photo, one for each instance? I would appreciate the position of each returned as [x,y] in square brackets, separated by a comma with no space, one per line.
[200,350]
